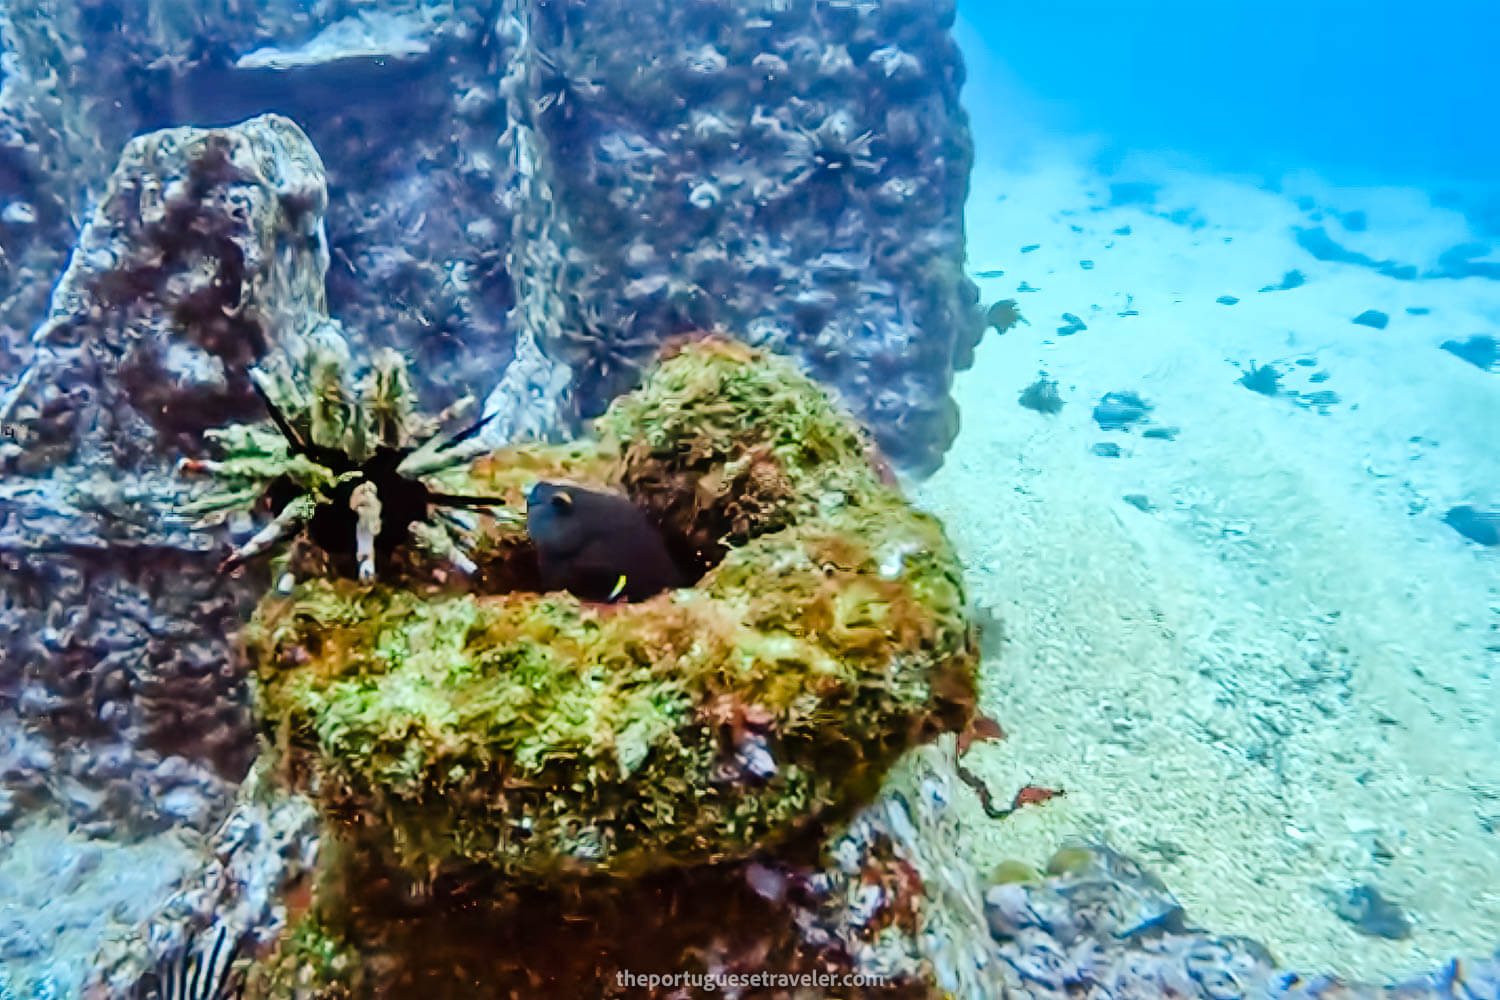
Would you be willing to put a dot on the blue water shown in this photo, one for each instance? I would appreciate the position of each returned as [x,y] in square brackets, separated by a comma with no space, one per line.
[1363,92]
[1076,107]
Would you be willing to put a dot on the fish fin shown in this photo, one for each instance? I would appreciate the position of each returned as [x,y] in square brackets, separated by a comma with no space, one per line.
[619,588]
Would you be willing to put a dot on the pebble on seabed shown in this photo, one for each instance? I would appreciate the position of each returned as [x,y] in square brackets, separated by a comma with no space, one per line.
[1373,914]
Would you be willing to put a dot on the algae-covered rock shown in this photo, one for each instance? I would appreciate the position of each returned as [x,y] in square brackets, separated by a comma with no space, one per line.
[533,733]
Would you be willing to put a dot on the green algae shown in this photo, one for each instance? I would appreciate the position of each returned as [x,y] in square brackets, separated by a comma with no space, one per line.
[489,728]
[1010,870]
[1070,860]
[312,962]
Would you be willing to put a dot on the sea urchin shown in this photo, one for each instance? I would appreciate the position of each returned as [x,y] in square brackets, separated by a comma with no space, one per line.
[342,468]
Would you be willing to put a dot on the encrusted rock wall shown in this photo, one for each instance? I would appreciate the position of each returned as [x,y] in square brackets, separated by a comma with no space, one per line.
[624,168]
[46,160]
[205,251]
[399,99]
[504,182]
[794,169]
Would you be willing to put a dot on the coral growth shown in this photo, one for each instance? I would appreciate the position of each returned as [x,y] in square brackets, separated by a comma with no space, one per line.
[534,734]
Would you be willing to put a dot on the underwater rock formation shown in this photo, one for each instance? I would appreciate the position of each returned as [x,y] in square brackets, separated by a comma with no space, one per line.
[1042,396]
[394,99]
[803,167]
[1099,922]
[867,622]
[256,867]
[792,171]
[538,735]
[1479,526]
[1480,351]
[205,252]
[1119,411]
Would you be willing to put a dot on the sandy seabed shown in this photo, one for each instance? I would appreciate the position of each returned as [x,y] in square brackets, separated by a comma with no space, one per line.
[1276,681]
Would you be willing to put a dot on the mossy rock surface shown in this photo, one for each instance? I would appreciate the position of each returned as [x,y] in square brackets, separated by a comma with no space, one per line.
[536,734]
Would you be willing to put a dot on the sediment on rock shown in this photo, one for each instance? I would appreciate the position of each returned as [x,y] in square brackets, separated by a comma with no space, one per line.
[804,169]
[204,253]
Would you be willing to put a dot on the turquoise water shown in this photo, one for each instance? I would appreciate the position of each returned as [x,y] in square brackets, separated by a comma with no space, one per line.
[1176,193]
[1381,92]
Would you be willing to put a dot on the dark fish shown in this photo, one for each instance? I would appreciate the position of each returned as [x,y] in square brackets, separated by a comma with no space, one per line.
[598,546]
[1118,410]
[1003,315]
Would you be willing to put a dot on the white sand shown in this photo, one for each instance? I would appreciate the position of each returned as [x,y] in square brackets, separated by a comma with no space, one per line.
[1285,668]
